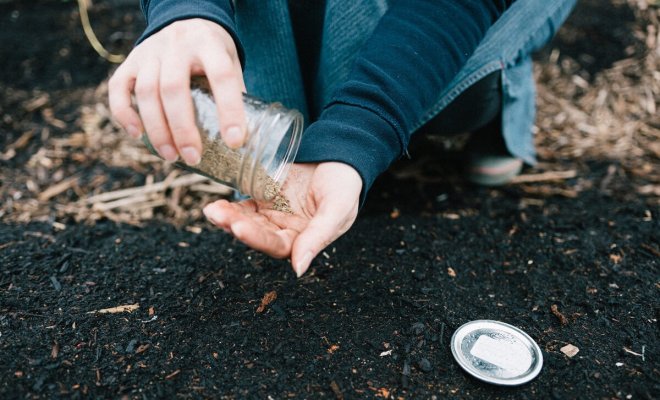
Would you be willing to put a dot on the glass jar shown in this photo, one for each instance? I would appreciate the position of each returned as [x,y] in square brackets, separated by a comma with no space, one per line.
[260,166]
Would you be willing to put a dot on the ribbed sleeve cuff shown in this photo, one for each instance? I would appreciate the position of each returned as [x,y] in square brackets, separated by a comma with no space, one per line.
[352,135]
[160,13]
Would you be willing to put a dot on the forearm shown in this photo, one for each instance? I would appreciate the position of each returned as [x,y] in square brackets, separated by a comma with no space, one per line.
[413,54]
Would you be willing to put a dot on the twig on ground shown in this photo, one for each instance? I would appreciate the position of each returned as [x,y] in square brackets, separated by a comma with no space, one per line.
[652,249]
[115,310]
[58,188]
[185,180]
[544,177]
[555,311]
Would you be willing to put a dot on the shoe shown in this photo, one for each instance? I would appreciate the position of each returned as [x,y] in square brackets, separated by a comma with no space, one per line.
[492,169]
[488,162]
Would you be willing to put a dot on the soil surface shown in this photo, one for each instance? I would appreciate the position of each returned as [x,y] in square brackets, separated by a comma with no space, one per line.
[371,318]
[402,284]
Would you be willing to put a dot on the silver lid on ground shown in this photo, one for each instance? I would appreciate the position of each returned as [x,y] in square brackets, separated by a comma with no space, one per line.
[496,352]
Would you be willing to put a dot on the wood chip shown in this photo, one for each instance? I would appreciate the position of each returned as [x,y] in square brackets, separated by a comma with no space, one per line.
[266,300]
[55,350]
[185,180]
[335,389]
[555,311]
[544,177]
[115,310]
[213,188]
[651,249]
[634,353]
[549,191]
[123,203]
[142,348]
[58,188]
[21,142]
[173,374]
[194,229]
[451,272]
[36,103]
[569,350]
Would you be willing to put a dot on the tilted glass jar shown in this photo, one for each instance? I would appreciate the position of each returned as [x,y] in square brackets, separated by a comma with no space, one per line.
[260,166]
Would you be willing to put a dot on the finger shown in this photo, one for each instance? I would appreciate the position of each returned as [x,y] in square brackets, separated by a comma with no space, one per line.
[227,84]
[273,242]
[120,87]
[178,107]
[330,222]
[251,228]
[217,214]
[151,111]
[223,213]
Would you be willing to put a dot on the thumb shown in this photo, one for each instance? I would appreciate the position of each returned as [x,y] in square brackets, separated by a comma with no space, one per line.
[330,222]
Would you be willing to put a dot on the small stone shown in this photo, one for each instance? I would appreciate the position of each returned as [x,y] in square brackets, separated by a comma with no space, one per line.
[418,328]
[56,284]
[425,365]
[131,346]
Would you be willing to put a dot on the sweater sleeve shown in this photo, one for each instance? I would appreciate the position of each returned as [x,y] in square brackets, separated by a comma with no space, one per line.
[414,52]
[160,13]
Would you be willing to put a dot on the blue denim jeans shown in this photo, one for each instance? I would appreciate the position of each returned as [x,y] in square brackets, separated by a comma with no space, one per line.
[274,71]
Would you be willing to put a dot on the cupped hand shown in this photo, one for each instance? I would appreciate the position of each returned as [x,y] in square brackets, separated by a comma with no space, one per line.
[324,198]
[158,70]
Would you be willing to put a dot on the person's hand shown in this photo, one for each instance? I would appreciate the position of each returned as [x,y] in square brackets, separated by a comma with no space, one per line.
[324,198]
[159,70]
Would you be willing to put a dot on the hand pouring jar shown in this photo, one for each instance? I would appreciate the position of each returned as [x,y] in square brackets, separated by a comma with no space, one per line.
[260,166]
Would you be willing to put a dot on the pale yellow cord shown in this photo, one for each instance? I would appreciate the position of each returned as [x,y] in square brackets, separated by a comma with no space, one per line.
[91,37]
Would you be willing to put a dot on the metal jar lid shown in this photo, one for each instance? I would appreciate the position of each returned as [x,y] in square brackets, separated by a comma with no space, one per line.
[496,352]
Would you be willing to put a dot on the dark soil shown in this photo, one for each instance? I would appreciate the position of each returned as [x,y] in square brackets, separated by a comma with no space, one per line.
[384,286]
[422,259]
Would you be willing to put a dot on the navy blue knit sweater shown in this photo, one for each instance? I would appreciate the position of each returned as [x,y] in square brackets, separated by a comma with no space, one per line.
[368,122]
